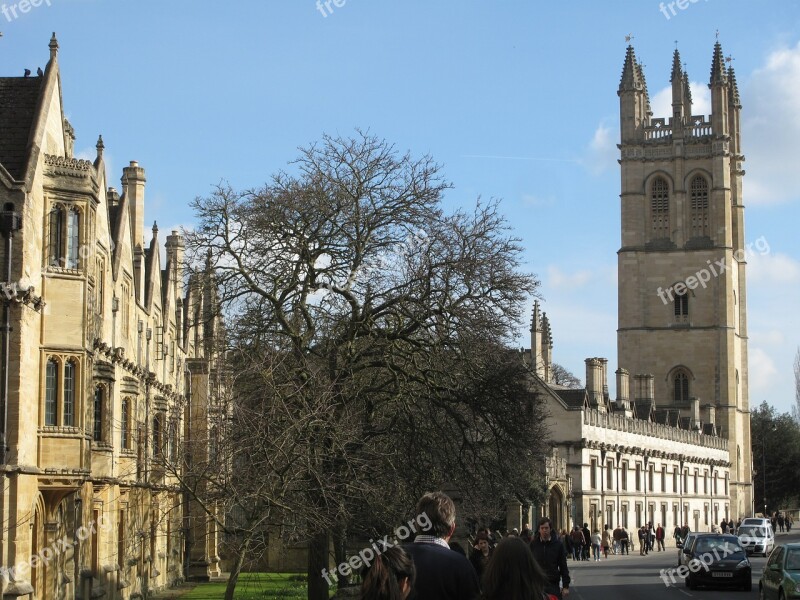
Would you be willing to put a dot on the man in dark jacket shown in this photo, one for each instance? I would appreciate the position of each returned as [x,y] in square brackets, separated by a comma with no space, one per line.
[441,573]
[549,552]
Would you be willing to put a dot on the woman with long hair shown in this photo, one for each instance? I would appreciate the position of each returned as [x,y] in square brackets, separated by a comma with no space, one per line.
[390,577]
[513,573]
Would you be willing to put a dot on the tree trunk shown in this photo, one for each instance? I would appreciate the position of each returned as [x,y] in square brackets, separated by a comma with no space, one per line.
[317,561]
[340,552]
[230,588]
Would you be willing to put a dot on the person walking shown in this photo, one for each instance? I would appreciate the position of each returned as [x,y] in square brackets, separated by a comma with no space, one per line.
[642,543]
[481,553]
[660,537]
[606,540]
[624,540]
[596,543]
[389,577]
[587,541]
[441,573]
[513,573]
[549,554]
[577,543]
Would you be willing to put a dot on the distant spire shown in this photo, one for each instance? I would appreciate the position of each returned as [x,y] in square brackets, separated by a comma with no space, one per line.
[546,333]
[687,89]
[718,75]
[155,229]
[677,69]
[631,73]
[734,88]
[53,46]
[535,318]
[100,146]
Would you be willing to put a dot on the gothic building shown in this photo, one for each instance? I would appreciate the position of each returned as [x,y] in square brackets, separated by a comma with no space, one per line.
[682,293]
[674,445]
[106,369]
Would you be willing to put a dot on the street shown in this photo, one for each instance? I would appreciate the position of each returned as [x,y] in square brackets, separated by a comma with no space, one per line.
[635,577]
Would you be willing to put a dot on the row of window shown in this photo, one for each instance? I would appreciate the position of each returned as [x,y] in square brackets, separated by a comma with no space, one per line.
[649,483]
[660,207]
[60,409]
[681,515]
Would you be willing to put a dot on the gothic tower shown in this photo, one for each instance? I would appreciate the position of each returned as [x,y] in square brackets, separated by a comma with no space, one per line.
[682,303]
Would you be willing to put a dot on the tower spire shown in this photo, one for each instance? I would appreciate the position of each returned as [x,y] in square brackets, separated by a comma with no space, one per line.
[718,76]
[631,73]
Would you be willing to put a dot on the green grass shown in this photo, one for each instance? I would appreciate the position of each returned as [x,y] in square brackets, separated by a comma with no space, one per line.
[255,586]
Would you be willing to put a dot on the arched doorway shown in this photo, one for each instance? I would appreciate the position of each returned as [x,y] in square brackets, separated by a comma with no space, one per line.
[555,508]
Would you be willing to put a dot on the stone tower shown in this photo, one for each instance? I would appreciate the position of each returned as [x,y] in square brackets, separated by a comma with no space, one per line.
[682,301]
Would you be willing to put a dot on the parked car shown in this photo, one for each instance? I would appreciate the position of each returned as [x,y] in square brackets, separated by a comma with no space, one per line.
[718,560]
[756,539]
[781,577]
[757,521]
[684,545]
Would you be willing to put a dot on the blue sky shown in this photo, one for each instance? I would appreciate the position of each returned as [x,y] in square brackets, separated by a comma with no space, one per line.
[516,99]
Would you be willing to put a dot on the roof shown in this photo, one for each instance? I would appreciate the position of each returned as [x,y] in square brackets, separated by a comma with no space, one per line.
[19,97]
[572,398]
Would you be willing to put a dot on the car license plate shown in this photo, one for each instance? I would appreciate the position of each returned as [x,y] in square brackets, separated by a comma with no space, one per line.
[721,574]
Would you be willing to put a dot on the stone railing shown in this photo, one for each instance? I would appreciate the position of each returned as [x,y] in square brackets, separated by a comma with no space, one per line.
[618,422]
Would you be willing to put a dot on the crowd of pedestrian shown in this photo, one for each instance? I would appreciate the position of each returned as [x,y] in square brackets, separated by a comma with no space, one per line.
[522,565]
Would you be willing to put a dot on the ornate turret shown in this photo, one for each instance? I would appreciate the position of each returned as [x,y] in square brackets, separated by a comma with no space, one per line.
[719,93]
[634,100]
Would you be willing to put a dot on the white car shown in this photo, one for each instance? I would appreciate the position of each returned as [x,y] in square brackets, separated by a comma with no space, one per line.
[756,538]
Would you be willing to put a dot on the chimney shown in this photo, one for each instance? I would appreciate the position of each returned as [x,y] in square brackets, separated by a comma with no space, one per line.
[695,403]
[623,387]
[594,381]
[624,393]
[711,415]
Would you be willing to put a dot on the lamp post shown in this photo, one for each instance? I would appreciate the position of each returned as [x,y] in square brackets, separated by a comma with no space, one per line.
[684,518]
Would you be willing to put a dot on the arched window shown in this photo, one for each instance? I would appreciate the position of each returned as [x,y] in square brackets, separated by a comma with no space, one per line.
[125,425]
[64,237]
[173,441]
[659,207]
[99,401]
[680,387]
[51,393]
[56,237]
[681,305]
[73,240]
[698,203]
[157,435]
[69,394]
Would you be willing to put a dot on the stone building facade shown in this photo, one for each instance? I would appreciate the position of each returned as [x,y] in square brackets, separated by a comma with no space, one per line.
[674,446]
[107,369]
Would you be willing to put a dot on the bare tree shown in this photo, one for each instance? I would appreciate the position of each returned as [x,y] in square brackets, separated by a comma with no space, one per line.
[388,319]
[562,376]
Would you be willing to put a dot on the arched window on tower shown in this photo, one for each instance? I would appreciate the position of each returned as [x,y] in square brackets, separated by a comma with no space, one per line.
[681,307]
[680,386]
[659,207]
[698,200]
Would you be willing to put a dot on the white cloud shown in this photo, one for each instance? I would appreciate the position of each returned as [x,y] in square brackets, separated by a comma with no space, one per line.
[535,200]
[762,374]
[559,280]
[602,153]
[661,102]
[773,269]
[770,128]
